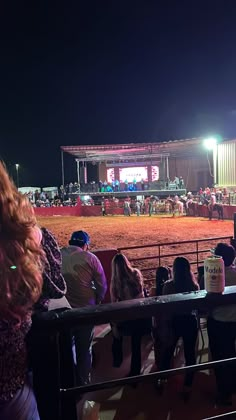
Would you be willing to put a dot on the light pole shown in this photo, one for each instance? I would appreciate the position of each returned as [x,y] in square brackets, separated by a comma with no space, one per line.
[17,174]
[211,144]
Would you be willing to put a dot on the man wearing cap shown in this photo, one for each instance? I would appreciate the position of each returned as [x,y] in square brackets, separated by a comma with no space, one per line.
[86,285]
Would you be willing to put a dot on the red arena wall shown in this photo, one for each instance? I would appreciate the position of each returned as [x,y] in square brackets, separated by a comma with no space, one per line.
[57,211]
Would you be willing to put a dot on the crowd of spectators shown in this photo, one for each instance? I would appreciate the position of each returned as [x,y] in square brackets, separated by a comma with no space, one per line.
[45,199]
[37,276]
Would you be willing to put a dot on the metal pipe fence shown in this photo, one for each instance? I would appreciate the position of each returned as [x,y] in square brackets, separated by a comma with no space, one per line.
[52,363]
[159,256]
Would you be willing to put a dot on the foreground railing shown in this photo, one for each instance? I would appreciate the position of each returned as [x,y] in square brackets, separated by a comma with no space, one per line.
[52,358]
[226,416]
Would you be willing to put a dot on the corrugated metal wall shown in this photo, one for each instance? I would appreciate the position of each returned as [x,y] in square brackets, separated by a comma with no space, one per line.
[226,159]
[195,171]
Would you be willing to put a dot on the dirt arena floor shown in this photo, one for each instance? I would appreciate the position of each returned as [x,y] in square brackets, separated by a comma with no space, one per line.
[120,231]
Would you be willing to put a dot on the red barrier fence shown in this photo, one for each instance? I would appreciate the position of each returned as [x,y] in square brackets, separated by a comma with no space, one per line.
[87,211]
[57,211]
[202,211]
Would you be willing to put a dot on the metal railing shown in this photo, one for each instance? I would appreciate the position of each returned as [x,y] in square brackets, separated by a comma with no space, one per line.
[159,257]
[231,415]
[51,342]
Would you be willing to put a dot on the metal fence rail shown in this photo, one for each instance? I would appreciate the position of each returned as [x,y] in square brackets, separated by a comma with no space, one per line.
[231,415]
[160,256]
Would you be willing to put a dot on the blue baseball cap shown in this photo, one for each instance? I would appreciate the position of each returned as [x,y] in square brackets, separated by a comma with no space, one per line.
[79,238]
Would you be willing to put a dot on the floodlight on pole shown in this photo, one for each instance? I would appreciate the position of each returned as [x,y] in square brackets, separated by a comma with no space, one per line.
[17,174]
[210,143]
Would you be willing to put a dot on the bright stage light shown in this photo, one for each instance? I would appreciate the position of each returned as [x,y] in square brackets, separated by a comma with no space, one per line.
[210,143]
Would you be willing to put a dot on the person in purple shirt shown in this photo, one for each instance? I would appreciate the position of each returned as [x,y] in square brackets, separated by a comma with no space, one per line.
[86,285]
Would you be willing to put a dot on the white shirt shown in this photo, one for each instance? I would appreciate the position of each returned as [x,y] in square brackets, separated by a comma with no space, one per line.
[84,276]
[213,200]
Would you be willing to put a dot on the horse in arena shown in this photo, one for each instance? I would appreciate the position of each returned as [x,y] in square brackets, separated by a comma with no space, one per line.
[214,207]
[175,206]
[192,208]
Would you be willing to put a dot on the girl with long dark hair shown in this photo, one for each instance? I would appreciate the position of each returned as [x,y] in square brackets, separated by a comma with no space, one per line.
[183,325]
[162,275]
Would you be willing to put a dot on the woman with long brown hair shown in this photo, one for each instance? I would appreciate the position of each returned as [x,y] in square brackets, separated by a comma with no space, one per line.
[127,283]
[20,283]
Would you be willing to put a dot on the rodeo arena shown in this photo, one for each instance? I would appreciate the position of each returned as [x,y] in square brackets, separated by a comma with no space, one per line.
[145,328]
[177,177]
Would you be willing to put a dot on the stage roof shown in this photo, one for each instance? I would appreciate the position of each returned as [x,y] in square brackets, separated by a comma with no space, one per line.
[136,151]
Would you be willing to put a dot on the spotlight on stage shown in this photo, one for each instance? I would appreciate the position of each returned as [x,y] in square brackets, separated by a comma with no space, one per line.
[210,143]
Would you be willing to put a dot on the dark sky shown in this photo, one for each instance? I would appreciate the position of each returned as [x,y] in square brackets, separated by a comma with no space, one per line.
[97,72]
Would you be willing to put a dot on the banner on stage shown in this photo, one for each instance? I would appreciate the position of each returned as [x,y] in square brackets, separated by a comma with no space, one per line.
[136,173]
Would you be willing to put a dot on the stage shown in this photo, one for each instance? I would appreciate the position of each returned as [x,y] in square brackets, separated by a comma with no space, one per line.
[164,193]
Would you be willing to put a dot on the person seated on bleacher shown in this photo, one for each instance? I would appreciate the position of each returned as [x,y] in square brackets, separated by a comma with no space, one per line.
[183,325]
[127,283]
[21,284]
[221,328]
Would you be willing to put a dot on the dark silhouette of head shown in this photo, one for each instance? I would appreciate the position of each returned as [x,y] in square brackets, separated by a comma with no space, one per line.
[162,275]
[227,252]
[183,277]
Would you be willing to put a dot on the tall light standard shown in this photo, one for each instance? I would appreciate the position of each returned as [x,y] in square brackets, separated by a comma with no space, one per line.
[211,144]
[17,174]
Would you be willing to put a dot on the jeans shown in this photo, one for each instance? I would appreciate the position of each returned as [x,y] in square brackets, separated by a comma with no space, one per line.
[185,326]
[117,353]
[83,339]
[222,336]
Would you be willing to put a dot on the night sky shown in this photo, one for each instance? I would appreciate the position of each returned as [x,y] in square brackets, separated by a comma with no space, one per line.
[97,72]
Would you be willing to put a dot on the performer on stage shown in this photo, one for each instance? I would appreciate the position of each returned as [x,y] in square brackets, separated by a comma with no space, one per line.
[131,187]
[181,182]
[117,185]
[176,181]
